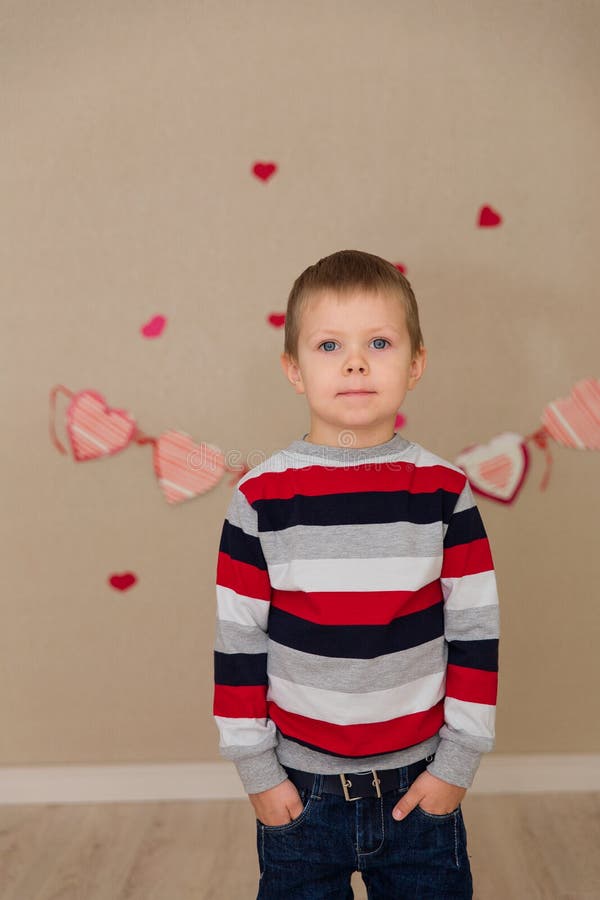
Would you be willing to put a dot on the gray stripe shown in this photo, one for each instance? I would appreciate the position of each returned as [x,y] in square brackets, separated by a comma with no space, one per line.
[392,449]
[473,624]
[240,513]
[394,539]
[230,637]
[297,756]
[357,676]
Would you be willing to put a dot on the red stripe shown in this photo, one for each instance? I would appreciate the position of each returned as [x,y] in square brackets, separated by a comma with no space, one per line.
[356,607]
[467,559]
[242,577]
[246,702]
[472,685]
[360,740]
[319,480]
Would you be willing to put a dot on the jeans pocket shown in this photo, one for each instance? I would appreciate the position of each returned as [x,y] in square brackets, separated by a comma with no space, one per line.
[442,817]
[307,800]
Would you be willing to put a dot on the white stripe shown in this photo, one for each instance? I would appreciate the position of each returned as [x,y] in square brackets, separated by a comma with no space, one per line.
[470,591]
[567,427]
[471,718]
[234,607]
[89,437]
[341,708]
[165,482]
[242,732]
[401,573]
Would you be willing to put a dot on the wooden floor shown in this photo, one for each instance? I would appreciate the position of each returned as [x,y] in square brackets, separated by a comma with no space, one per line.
[522,847]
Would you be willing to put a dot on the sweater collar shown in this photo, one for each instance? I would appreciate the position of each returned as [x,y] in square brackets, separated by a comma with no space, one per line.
[396,444]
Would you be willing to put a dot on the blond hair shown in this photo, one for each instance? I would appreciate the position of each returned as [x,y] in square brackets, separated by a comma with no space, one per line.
[343,272]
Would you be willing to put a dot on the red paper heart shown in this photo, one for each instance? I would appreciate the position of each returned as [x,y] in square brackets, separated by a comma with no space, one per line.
[264,170]
[488,217]
[276,319]
[122,582]
[154,327]
[400,421]
[400,268]
[96,430]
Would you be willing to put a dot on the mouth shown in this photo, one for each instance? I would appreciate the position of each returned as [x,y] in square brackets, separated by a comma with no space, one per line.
[353,393]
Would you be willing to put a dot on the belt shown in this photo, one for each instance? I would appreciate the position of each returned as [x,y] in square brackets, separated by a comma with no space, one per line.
[356,785]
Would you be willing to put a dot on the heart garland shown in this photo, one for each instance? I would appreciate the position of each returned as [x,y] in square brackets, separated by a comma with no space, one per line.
[497,470]
[184,469]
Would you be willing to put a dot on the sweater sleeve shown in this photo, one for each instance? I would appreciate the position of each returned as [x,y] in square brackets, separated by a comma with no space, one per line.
[472,630]
[246,735]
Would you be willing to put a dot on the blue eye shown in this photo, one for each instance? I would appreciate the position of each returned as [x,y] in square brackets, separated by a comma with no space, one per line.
[324,343]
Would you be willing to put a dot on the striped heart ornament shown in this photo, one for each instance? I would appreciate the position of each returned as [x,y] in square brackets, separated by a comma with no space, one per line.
[185,469]
[497,469]
[574,421]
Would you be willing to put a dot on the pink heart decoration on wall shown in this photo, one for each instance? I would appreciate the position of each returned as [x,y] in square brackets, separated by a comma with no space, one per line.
[575,421]
[264,170]
[497,469]
[276,319]
[185,469]
[154,327]
[400,268]
[95,429]
[488,217]
[122,582]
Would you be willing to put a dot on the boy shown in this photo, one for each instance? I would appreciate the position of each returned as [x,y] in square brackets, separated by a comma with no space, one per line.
[356,653]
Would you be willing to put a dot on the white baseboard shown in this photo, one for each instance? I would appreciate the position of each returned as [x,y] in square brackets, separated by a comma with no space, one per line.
[504,774]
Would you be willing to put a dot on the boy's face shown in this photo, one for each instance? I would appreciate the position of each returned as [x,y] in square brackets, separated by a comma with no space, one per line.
[347,344]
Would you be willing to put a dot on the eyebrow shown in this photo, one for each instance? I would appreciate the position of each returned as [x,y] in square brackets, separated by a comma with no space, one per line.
[341,331]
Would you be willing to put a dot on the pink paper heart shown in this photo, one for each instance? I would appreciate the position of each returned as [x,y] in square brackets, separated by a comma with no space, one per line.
[497,469]
[96,430]
[122,582]
[276,319]
[154,327]
[488,217]
[264,170]
[185,469]
[400,421]
[575,421]
[400,267]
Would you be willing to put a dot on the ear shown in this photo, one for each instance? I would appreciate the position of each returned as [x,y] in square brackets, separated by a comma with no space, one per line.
[417,368]
[292,372]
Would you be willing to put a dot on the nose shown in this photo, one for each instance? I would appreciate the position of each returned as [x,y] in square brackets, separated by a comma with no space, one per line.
[355,363]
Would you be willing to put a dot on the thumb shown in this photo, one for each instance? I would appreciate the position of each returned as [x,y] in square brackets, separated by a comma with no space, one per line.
[405,804]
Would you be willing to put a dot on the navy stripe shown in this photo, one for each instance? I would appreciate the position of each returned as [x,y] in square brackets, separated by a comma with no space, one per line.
[356,641]
[465,526]
[239,669]
[482,654]
[358,508]
[241,546]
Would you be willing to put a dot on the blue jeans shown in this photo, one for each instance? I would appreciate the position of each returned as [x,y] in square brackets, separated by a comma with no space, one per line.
[313,857]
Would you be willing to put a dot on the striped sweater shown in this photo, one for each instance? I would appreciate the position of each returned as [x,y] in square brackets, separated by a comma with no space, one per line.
[357,616]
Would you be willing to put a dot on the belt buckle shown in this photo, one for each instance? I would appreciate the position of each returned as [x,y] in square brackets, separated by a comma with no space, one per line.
[347,784]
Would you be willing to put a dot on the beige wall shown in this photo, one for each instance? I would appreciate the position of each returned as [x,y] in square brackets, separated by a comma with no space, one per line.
[128,132]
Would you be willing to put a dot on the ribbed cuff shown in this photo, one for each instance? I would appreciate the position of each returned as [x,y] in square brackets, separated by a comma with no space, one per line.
[260,773]
[455,763]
